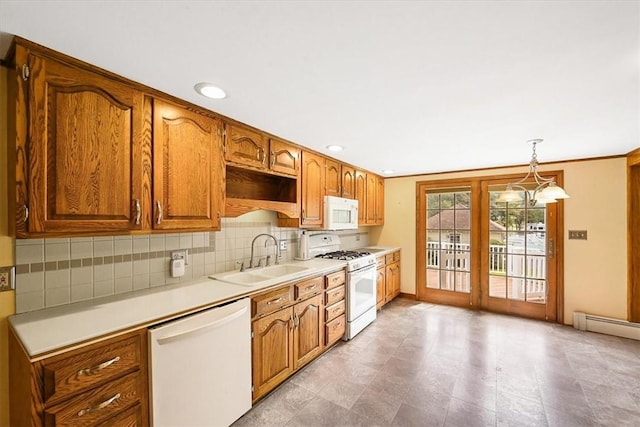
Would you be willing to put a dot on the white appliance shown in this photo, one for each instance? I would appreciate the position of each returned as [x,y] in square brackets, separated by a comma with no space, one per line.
[340,213]
[201,367]
[361,280]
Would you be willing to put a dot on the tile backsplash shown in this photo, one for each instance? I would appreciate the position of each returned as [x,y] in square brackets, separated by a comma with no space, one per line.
[51,272]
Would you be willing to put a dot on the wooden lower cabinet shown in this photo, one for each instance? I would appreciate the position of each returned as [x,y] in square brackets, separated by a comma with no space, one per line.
[307,331]
[272,351]
[388,278]
[99,384]
[380,287]
[287,334]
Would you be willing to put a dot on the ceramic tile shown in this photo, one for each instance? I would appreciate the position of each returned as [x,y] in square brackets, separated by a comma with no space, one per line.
[29,301]
[29,283]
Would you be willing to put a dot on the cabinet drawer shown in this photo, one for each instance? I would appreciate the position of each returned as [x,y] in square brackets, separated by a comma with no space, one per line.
[130,418]
[393,257]
[335,279]
[64,376]
[335,310]
[97,405]
[334,295]
[335,329]
[308,288]
[271,301]
[380,261]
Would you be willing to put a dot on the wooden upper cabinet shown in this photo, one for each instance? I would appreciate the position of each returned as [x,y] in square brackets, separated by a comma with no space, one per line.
[370,215]
[187,169]
[379,200]
[333,178]
[348,182]
[312,197]
[79,148]
[361,195]
[285,158]
[246,146]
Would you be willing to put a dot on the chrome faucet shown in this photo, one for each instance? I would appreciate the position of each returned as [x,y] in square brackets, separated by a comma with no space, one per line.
[275,241]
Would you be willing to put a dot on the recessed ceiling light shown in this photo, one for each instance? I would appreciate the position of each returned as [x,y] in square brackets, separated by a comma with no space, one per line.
[388,171]
[335,147]
[210,91]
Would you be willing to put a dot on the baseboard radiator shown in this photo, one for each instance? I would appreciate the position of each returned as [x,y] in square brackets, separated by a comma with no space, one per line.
[606,325]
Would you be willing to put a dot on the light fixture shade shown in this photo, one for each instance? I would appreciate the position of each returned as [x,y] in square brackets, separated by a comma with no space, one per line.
[540,198]
[552,191]
[509,196]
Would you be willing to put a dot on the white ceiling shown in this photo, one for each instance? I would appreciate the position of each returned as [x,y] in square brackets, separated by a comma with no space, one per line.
[412,86]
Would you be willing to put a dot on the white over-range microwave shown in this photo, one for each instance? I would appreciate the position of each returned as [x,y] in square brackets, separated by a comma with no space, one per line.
[340,213]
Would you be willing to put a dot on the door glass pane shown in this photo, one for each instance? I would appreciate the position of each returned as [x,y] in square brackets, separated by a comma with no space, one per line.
[497,286]
[448,241]
[517,250]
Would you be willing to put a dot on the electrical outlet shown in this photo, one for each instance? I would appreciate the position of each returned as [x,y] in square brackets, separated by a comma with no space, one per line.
[7,276]
[182,254]
[283,245]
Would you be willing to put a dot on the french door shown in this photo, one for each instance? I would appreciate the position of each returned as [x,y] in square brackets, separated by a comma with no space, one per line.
[474,251]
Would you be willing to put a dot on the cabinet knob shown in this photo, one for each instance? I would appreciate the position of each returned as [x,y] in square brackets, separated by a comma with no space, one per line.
[25,209]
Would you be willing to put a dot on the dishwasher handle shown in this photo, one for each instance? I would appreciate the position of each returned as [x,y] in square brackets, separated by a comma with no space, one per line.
[212,325]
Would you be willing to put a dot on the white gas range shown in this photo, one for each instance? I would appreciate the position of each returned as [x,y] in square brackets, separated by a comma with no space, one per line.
[361,280]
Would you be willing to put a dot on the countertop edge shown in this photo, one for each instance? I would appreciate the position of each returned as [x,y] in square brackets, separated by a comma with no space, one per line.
[76,326]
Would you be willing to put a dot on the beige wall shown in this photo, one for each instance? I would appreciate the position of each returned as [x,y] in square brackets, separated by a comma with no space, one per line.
[7,299]
[595,277]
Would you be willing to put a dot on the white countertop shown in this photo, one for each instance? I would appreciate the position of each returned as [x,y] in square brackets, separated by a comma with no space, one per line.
[51,329]
[380,250]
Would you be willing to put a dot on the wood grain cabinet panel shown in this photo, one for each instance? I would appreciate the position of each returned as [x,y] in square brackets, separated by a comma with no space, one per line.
[348,182]
[312,197]
[379,216]
[105,384]
[380,287]
[245,146]
[307,332]
[79,149]
[272,351]
[372,188]
[285,158]
[97,405]
[333,178]
[335,330]
[187,168]
[361,196]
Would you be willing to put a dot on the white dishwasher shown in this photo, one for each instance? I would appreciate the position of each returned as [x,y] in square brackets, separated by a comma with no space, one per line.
[201,367]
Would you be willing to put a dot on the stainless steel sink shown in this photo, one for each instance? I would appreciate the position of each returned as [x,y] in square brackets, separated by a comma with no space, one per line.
[263,276]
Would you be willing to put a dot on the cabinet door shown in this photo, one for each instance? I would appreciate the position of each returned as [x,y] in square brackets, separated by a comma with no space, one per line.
[187,169]
[79,151]
[272,351]
[333,178]
[285,158]
[361,195]
[308,330]
[380,287]
[379,200]
[245,146]
[348,182]
[312,197]
[392,284]
[370,214]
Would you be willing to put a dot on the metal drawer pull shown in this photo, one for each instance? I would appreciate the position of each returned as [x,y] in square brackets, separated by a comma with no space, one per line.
[93,370]
[308,288]
[274,301]
[159,220]
[138,211]
[100,406]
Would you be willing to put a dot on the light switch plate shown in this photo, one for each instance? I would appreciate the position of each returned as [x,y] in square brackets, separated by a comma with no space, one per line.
[7,278]
[577,234]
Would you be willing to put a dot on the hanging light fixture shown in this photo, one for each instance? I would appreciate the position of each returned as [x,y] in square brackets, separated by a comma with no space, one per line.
[546,191]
